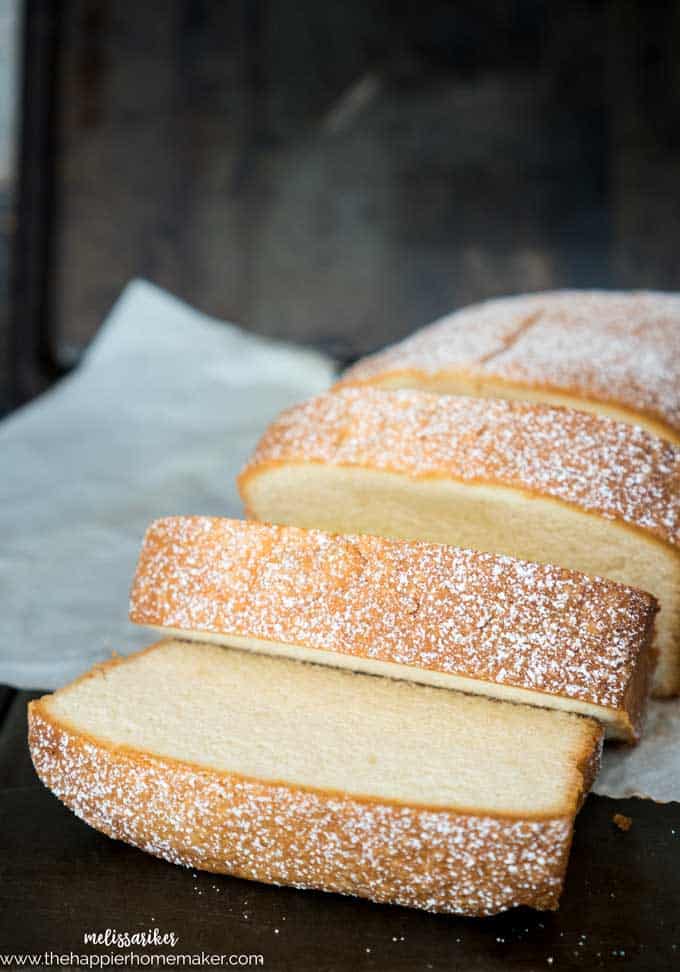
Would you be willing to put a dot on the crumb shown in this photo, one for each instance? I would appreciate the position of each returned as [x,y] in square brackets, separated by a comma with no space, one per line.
[622,821]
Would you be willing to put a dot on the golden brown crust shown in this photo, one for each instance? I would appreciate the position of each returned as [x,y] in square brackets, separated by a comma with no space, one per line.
[618,349]
[435,859]
[595,464]
[494,619]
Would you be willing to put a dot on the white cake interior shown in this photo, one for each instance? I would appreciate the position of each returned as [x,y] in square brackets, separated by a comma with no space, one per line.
[276,719]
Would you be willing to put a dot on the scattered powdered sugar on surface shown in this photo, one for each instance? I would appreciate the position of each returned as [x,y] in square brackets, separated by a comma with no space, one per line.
[600,465]
[418,604]
[608,346]
[436,860]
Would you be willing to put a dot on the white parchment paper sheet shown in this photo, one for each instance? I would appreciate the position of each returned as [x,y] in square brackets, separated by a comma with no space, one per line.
[157,421]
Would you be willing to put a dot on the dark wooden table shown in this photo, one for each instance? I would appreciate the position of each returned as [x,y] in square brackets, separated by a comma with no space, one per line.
[60,879]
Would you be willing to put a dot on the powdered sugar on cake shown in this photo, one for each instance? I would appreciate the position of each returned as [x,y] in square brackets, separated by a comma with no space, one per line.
[438,860]
[597,464]
[612,347]
[417,604]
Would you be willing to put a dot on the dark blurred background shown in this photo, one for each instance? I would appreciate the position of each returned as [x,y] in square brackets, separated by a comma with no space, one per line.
[335,173]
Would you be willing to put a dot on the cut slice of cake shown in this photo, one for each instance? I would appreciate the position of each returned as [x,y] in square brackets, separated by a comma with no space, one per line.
[290,773]
[532,481]
[460,619]
[612,353]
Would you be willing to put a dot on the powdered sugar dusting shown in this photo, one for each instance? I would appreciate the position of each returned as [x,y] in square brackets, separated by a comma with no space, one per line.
[470,336]
[614,347]
[616,470]
[436,860]
[425,605]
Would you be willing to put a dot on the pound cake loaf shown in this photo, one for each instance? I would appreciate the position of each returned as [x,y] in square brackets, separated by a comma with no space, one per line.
[612,353]
[444,616]
[532,481]
[289,773]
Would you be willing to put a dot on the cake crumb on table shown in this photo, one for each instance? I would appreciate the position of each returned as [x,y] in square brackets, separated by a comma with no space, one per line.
[622,821]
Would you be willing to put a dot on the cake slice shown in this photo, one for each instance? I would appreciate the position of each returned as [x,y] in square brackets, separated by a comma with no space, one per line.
[439,615]
[533,481]
[612,353]
[290,773]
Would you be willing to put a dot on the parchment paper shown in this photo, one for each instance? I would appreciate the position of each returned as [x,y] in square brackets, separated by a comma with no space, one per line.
[156,421]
